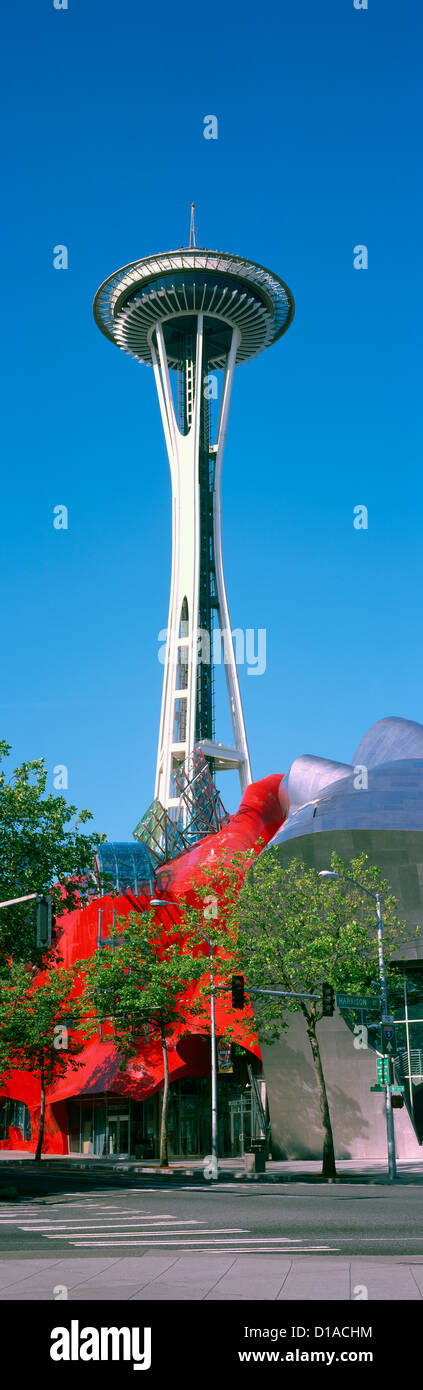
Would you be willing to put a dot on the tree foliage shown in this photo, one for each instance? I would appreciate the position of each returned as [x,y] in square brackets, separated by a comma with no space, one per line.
[286,929]
[37,1022]
[140,980]
[295,930]
[41,849]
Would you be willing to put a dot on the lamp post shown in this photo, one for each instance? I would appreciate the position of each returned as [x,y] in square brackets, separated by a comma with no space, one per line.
[390,1132]
[10,901]
[214,1142]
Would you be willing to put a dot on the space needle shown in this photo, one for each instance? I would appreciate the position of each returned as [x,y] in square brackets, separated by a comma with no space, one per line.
[193,315]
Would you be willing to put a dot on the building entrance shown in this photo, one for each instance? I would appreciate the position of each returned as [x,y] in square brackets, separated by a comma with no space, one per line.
[240,1123]
[100,1127]
[118,1136]
[189,1124]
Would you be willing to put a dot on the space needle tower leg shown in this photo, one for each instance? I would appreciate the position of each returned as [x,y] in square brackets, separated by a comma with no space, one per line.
[197,571]
[232,682]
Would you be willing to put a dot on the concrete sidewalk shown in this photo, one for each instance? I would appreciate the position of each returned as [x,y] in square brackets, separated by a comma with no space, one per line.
[211,1278]
[230,1169]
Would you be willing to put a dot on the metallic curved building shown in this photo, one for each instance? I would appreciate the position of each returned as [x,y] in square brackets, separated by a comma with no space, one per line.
[373,805]
[191,314]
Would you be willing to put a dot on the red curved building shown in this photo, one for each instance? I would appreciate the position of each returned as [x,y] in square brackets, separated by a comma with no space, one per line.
[97,1109]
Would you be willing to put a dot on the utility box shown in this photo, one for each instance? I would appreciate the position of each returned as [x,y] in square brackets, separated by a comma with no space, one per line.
[255,1159]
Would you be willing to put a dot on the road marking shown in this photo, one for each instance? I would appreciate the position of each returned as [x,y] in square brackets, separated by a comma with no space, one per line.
[122,1236]
[114,1220]
[113,1228]
[223,1232]
[197,1246]
[29,1216]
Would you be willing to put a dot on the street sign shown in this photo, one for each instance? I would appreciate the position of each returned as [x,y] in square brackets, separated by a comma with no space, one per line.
[395,1090]
[357,1001]
[388,1034]
[382,1070]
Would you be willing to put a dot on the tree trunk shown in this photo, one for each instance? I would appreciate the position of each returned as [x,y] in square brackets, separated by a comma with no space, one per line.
[328,1165]
[42,1114]
[164,1162]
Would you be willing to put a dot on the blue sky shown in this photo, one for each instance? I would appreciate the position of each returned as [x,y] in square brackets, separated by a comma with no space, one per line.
[318,151]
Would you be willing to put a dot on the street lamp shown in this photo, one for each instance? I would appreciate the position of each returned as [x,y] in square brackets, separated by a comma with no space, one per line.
[214,1142]
[390,1132]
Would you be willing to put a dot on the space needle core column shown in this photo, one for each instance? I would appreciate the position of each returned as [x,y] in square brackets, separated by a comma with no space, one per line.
[191,314]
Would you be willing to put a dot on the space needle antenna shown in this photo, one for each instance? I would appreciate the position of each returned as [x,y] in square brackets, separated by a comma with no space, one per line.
[192,241]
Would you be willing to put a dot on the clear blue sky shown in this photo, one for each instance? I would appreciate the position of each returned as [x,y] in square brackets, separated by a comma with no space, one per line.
[318,151]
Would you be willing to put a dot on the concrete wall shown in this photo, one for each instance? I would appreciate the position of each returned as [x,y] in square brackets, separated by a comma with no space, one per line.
[358,1116]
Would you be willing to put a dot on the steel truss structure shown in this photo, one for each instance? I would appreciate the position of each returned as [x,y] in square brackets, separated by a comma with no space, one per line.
[200,813]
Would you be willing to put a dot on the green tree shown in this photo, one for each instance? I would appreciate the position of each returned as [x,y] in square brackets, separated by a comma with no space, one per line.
[41,849]
[285,928]
[139,980]
[37,1018]
[291,930]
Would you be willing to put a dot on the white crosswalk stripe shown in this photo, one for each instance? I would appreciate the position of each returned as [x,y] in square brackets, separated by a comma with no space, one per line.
[115,1228]
[227,1247]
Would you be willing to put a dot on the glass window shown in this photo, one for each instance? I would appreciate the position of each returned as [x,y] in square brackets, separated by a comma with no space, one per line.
[14,1114]
[99,1129]
[180,721]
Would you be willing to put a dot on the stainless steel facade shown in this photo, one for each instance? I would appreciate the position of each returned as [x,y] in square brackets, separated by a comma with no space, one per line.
[375,805]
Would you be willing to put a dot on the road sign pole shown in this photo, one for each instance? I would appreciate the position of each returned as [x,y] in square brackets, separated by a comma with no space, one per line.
[213,1167]
[215,1146]
[390,1132]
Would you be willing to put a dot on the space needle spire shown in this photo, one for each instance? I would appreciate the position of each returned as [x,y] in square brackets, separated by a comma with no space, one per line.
[192,241]
[193,314]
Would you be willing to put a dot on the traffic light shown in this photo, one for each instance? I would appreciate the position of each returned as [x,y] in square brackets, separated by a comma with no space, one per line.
[397,1101]
[238,1000]
[328,1000]
[44,919]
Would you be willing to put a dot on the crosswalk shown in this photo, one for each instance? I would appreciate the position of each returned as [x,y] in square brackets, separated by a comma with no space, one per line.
[94,1226]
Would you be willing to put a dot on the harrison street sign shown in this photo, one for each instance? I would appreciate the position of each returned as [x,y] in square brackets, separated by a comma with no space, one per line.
[357,1001]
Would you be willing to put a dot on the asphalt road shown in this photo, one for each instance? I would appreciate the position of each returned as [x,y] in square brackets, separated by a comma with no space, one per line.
[294,1219]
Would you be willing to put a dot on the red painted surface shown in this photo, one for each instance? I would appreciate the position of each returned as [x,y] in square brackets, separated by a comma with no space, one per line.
[263,809]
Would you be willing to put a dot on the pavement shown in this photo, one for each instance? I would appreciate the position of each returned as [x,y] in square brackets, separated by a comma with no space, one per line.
[215,1242]
[87,1167]
[210,1278]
